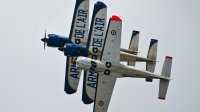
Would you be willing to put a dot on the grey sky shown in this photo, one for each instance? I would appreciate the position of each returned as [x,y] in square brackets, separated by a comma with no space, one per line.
[32,80]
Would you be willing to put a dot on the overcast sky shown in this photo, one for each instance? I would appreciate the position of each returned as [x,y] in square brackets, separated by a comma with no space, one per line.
[32,80]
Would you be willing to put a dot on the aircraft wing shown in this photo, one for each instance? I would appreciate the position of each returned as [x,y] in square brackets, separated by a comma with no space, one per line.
[95,43]
[72,76]
[104,91]
[89,86]
[97,29]
[111,49]
[78,35]
[80,23]
[110,54]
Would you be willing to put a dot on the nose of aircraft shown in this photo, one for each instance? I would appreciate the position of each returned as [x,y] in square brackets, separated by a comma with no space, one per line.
[43,39]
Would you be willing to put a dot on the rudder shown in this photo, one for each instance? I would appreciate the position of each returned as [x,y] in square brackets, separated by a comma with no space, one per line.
[166,72]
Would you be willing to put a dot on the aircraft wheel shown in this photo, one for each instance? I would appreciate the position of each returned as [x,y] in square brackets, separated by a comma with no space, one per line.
[108,64]
[107,72]
[77,41]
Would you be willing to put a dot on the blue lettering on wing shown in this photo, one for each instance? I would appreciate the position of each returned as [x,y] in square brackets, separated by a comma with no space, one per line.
[81,23]
[99,21]
[80,11]
[92,79]
[100,35]
[97,42]
[73,71]
[99,28]
[79,33]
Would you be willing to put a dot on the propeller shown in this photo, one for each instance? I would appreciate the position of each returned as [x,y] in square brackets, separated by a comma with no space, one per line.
[44,39]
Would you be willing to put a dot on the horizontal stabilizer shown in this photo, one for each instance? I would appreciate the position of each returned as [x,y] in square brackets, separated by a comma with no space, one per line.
[152,54]
[163,89]
[133,46]
[166,72]
[134,41]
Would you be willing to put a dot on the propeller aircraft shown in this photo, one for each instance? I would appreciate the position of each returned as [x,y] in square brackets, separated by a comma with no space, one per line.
[89,43]
[108,68]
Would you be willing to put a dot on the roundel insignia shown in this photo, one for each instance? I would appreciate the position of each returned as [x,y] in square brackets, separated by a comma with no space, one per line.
[113,32]
[101,103]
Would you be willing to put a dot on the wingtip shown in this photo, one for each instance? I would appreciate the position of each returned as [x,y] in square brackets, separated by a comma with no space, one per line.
[136,32]
[161,98]
[101,4]
[115,18]
[154,40]
[149,80]
[169,57]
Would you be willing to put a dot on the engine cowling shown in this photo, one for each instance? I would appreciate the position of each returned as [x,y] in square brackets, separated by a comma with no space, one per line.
[54,40]
[75,50]
[89,64]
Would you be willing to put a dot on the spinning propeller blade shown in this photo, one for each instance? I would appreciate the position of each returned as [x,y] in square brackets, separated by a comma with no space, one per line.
[44,39]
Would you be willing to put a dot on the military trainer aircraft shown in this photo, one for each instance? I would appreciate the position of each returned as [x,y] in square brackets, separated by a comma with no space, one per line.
[109,67]
[82,42]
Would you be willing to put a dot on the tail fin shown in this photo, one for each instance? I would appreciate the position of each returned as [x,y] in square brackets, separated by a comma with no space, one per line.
[166,72]
[152,54]
[134,44]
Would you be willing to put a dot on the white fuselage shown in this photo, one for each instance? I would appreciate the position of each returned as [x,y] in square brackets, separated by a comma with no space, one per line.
[128,57]
[124,71]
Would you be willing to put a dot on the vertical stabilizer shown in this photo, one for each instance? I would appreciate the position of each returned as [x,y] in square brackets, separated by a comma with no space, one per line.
[152,54]
[166,72]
